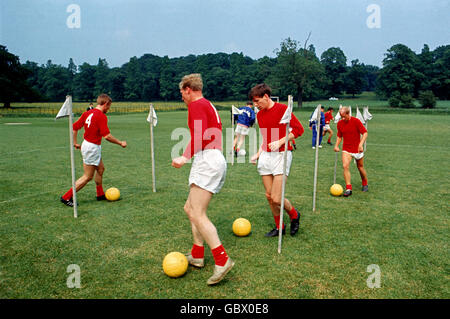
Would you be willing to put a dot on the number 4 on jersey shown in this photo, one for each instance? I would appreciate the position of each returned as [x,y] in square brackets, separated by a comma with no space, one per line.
[88,120]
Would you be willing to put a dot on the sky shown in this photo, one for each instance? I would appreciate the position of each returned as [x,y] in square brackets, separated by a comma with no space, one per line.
[116,30]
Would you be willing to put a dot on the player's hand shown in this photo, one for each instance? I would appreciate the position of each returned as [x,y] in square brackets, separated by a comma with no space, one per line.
[336,148]
[179,161]
[254,158]
[360,148]
[77,146]
[274,146]
[123,144]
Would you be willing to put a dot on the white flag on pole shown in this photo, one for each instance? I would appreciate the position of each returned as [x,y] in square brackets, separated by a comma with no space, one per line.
[338,115]
[152,118]
[235,110]
[367,116]
[66,109]
[315,117]
[287,115]
[359,116]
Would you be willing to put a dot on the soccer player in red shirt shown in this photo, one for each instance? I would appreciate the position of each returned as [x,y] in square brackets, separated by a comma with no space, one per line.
[327,128]
[350,129]
[95,125]
[270,154]
[207,175]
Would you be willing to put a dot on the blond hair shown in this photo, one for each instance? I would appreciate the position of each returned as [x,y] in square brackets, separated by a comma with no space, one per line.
[103,99]
[193,81]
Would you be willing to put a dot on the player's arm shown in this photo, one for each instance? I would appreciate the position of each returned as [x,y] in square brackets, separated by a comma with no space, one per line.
[114,140]
[255,157]
[361,143]
[338,141]
[76,127]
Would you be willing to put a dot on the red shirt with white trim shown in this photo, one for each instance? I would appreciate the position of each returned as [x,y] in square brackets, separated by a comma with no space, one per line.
[95,125]
[328,117]
[351,132]
[205,127]
[272,130]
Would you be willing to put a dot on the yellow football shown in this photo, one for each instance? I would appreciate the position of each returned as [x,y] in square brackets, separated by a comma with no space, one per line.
[242,227]
[175,264]
[112,194]
[336,190]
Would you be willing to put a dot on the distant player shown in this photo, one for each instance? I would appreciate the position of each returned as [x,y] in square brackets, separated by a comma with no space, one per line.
[207,175]
[244,122]
[350,129]
[312,126]
[270,154]
[327,128]
[95,125]
[90,107]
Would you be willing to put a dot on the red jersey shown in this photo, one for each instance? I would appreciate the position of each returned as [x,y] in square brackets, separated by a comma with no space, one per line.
[205,127]
[351,132]
[95,125]
[328,117]
[272,130]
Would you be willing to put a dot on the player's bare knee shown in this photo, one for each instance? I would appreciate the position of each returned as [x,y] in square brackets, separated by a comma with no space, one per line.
[269,198]
[276,200]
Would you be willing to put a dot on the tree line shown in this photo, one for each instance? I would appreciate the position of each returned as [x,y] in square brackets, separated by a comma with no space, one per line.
[296,70]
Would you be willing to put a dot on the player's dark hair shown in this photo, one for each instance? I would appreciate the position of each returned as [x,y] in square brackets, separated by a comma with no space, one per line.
[330,109]
[259,91]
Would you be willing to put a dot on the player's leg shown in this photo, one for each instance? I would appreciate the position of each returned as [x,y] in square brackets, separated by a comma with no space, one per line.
[88,174]
[363,174]
[100,169]
[346,160]
[196,207]
[330,131]
[240,142]
[268,185]
[276,195]
[320,136]
[314,136]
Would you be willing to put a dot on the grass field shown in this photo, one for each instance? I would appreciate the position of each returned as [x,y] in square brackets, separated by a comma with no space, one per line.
[401,224]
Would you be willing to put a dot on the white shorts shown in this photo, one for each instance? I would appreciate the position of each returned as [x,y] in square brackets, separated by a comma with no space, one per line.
[242,129]
[356,156]
[208,170]
[326,127]
[91,153]
[271,163]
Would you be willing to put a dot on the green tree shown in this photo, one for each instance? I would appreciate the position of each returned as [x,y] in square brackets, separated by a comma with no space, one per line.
[334,62]
[56,82]
[84,82]
[296,68]
[399,73]
[101,75]
[13,79]
[355,78]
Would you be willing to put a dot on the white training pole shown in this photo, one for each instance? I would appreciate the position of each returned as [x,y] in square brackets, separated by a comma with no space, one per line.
[365,142]
[280,228]
[72,161]
[232,136]
[316,164]
[152,148]
[335,167]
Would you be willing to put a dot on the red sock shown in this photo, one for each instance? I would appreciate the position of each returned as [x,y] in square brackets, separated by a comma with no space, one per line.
[277,221]
[293,213]
[329,140]
[349,186]
[364,182]
[100,191]
[68,195]
[198,251]
[220,255]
